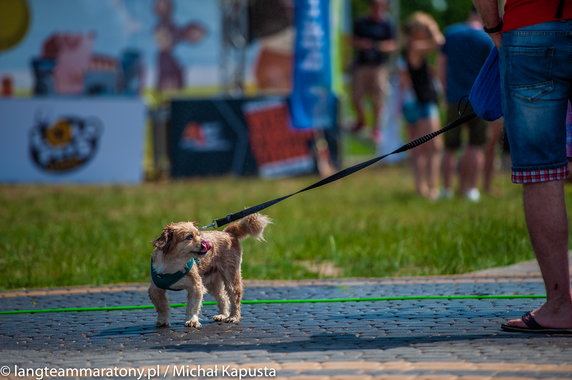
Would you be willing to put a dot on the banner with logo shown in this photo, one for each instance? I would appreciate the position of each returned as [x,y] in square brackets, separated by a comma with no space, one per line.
[209,137]
[279,150]
[71,141]
[312,100]
[240,136]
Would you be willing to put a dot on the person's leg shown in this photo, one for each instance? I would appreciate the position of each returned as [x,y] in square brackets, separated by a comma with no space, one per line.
[430,151]
[471,167]
[417,158]
[490,153]
[435,148]
[358,94]
[449,169]
[379,89]
[473,160]
[547,222]
[452,140]
[534,105]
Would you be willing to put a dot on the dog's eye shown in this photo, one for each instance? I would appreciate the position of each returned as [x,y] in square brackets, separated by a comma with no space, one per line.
[190,237]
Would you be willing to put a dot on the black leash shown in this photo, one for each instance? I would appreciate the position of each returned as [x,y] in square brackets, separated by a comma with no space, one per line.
[341,174]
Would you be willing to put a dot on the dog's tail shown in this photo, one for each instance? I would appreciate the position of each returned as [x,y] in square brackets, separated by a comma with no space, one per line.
[251,225]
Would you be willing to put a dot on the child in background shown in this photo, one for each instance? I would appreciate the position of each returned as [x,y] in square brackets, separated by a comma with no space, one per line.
[420,109]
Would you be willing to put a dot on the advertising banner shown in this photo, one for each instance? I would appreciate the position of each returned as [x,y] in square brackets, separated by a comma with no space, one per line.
[312,99]
[71,141]
[279,149]
[209,137]
[240,136]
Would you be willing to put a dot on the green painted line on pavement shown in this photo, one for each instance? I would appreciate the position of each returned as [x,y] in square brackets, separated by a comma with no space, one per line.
[278,301]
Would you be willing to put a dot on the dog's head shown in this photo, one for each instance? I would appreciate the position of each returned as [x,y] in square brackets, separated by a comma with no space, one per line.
[182,239]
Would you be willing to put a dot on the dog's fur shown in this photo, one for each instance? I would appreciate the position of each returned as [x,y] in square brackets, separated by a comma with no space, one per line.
[218,272]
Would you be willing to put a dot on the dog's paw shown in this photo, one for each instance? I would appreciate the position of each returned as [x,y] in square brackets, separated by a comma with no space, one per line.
[232,319]
[193,323]
[220,317]
[162,323]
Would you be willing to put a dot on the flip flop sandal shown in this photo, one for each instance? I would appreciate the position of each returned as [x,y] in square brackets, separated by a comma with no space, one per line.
[534,327]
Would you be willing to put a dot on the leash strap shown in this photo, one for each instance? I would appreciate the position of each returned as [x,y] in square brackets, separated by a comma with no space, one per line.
[342,173]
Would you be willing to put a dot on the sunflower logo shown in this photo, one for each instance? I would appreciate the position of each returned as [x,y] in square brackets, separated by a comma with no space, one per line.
[66,144]
[59,134]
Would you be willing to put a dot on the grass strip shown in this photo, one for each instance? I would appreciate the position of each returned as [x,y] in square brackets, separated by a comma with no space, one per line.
[281,301]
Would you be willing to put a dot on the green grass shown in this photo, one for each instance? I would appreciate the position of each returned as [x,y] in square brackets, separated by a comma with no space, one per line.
[368,225]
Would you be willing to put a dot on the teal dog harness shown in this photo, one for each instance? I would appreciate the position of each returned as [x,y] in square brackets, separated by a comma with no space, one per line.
[166,280]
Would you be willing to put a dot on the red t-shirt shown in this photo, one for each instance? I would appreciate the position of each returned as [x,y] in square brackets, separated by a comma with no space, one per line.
[521,13]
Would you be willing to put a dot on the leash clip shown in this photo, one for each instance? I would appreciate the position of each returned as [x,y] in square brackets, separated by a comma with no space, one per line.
[213,224]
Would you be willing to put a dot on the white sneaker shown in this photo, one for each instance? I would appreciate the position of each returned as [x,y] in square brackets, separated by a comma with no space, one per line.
[474,195]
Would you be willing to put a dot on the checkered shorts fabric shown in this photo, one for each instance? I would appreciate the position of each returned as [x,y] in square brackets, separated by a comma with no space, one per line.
[541,175]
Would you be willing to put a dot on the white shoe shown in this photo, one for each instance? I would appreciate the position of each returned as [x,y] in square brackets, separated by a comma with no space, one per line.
[474,195]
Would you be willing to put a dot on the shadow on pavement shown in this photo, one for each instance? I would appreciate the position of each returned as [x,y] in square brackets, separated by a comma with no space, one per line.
[331,342]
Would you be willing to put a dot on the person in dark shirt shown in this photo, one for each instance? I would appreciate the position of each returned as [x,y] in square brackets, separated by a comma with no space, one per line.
[466,49]
[373,41]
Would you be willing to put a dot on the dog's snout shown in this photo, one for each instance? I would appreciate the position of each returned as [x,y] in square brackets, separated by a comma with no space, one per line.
[206,246]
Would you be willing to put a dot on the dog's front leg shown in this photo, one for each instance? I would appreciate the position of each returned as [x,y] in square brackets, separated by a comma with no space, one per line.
[159,298]
[194,303]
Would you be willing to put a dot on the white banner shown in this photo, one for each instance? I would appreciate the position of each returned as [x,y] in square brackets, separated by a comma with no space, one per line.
[71,140]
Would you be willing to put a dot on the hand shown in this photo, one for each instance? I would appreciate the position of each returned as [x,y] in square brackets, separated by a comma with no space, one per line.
[497,38]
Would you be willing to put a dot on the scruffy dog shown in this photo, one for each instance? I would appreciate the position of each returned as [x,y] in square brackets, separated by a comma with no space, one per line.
[175,265]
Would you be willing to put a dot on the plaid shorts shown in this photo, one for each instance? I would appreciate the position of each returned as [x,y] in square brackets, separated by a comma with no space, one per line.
[536,81]
[541,175]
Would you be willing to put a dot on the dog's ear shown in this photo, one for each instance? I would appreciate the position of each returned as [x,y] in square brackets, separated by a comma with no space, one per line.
[164,241]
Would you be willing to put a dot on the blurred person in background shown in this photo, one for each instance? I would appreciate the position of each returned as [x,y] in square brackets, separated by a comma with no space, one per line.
[420,105]
[465,50]
[373,41]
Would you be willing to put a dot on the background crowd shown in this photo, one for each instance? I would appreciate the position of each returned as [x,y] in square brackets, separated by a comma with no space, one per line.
[436,71]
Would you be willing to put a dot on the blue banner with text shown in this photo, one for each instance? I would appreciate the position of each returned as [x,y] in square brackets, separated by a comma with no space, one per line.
[312,102]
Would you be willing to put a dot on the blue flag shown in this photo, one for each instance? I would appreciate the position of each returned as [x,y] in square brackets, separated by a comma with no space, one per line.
[485,95]
[312,102]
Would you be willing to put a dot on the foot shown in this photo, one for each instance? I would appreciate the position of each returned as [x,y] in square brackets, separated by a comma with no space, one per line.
[233,319]
[193,322]
[473,195]
[549,315]
[220,317]
[162,323]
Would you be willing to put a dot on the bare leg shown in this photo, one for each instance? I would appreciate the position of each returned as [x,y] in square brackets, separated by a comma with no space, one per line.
[471,168]
[377,113]
[431,160]
[491,154]
[449,169]
[434,148]
[159,299]
[545,212]
[418,165]
[360,113]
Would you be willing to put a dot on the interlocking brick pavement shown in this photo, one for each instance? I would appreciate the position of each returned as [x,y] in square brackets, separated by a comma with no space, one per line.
[405,339]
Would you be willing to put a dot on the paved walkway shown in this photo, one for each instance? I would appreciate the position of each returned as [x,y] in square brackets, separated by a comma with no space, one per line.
[403,339]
